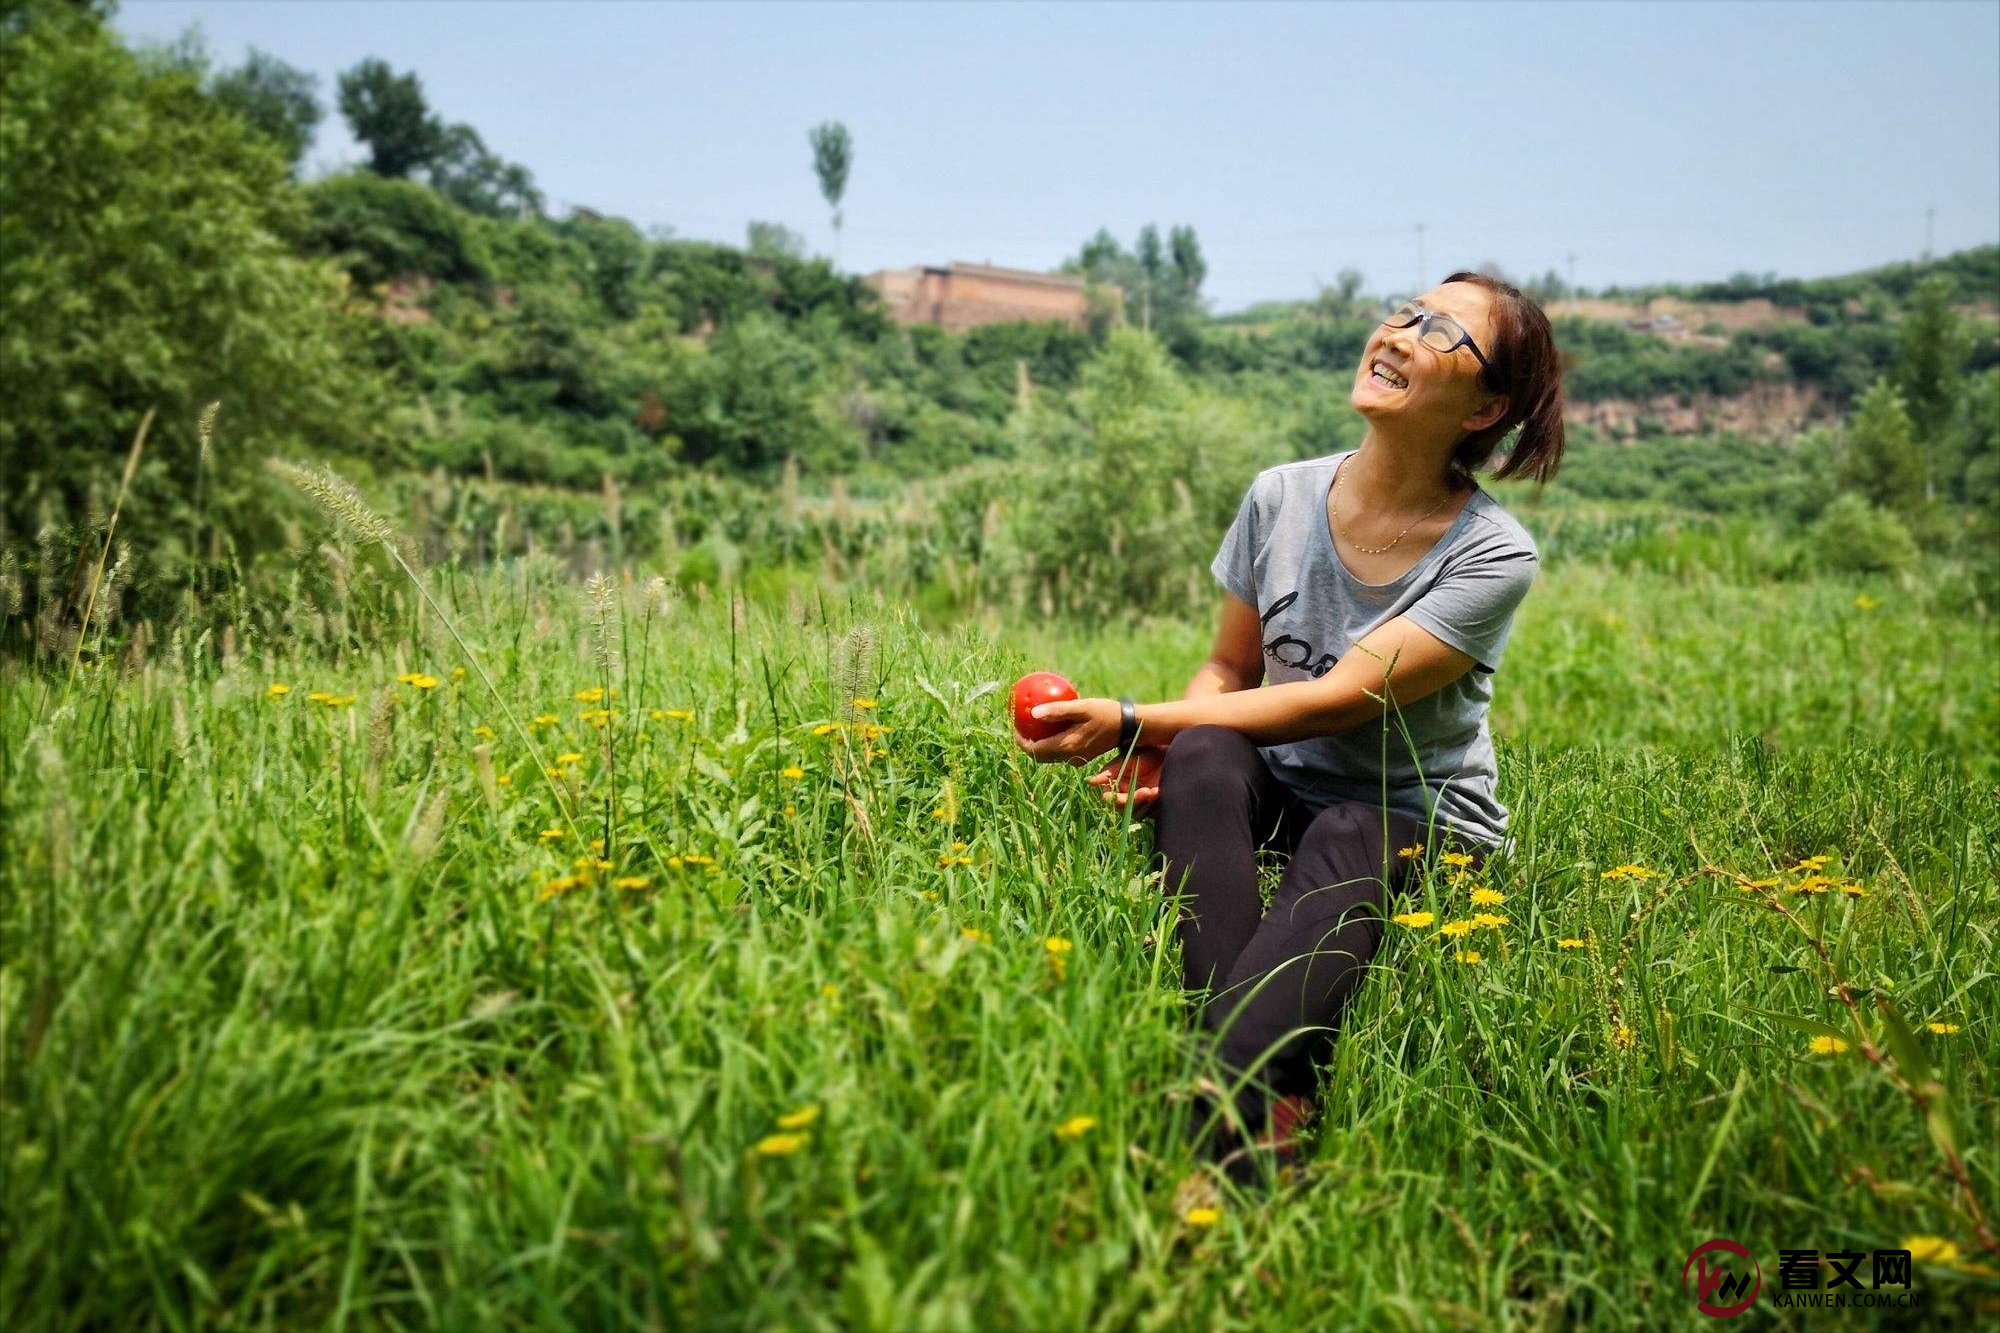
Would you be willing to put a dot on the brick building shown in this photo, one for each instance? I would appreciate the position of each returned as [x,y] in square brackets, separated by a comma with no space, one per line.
[959,296]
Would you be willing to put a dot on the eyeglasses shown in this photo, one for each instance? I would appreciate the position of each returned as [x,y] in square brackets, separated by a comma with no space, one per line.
[1440,333]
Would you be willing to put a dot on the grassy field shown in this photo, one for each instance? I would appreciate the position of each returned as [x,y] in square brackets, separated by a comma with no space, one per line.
[735,971]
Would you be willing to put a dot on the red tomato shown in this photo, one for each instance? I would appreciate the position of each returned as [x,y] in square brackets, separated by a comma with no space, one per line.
[1039,687]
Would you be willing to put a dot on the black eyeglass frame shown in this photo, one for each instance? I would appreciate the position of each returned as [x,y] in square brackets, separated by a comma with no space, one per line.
[1422,323]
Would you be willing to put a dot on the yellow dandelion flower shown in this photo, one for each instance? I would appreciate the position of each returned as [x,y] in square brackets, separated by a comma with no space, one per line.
[484,732]
[1410,853]
[1630,870]
[829,991]
[928,895]
[781,1145]
[1470,956]
[593,695]
[940,813]
[1491,920]
[1852,890]
[277,689]
[458,673]
[791,809]
[681,714]
[1931,1249]
[560,884]
[1813,884]
[1623,1037]
[863,703]
[1863,602]
[976,935]
[409,677]
[674,863]
[551,834]
[424,682]
[546,719]
[1569,944]
[504,780]
[794,772]
[1414,920]
[554,772]
[1485,897]
[1458,860]
[826,728]
[319,697]
[798,1119]
[1056,944]
[1452,930]
[1202,1217]
[1076,1127]
[1942,1029]
[1824,1045]
[569,757]
[629,882]
[1812,863]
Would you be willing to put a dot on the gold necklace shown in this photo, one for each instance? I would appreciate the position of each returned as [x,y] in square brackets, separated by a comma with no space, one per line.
[1339,475]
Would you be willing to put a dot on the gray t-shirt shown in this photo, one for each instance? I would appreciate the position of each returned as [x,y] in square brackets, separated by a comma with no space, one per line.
[1278,556]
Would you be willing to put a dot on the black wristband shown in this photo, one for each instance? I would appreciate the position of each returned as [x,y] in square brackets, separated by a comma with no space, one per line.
[1128,722]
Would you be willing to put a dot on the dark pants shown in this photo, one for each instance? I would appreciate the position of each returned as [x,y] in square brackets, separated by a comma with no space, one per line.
[1280,979]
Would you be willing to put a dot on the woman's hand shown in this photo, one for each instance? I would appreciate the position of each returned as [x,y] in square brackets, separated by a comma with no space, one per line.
[1089,728]
[1134,781]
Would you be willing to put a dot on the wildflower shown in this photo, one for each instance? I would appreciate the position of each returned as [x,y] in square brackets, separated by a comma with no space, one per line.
[697,859]
[1824,1045]
[674,863]
[1569,944]
[825,728]
[569,757]
[1485,897]
[1452,930]
[277,690]
[1470,956]
[593,695]
[940,813]
[551,834]
[504,780]
[1812,863]
[928,895]
[1491,920]
[1410,853]
[1931,1249]
[340,701]
[871,732]
[1414,920]
[1863,602]
[1457,860]
[781,1145]
[1059,951]
[794,773]
[680,714]
[546,719]
[591,863]
[949,860]
[863,703]
[1623,1037]
[1630,870]
[1813,884]
[422,682]
[555,772]
[976,935]
[1201,1217]
[629,882]
[318,697]
[484,732]
[1076,1127]
[1942,1029]
[597,717]
[791,809]
[799,1119]
[409,677]
[829,991]
[458,673]
[560,884]
[1852,890]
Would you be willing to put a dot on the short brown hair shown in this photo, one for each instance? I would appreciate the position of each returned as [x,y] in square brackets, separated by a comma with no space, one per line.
[1528,369]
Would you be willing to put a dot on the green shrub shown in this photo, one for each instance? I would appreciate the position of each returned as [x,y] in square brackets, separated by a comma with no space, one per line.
[1852,536]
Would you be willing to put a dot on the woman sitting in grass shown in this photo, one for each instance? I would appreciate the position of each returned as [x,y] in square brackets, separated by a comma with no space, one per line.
[1381,573]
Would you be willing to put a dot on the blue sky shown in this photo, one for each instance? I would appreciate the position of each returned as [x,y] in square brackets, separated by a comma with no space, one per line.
[1653,142]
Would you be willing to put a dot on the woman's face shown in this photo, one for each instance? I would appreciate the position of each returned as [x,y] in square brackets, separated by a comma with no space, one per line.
[1441,392]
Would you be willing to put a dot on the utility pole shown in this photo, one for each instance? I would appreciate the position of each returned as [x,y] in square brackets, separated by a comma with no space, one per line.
[1929,214]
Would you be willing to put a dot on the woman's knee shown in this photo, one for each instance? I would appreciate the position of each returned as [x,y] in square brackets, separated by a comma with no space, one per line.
[1207,750]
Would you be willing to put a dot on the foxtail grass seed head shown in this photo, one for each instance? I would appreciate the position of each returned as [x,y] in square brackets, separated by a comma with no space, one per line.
[336,498]
[204,429]
[601,597]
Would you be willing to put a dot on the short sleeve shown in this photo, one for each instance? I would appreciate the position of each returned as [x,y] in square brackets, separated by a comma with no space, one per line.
[1235,563]
[1471,607]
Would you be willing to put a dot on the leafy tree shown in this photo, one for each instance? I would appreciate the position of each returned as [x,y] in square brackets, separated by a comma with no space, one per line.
[387,111]
[833,154]
[770,239]
[385,230]
[1879,460]
[279,99]
[464,172]
[146,262]
[1932,345]
[1190,269]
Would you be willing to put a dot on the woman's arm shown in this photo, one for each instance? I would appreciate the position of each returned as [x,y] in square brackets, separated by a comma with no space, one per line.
[1400,659]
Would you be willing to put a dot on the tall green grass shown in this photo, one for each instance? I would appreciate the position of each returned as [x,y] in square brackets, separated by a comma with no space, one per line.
[294,1031]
